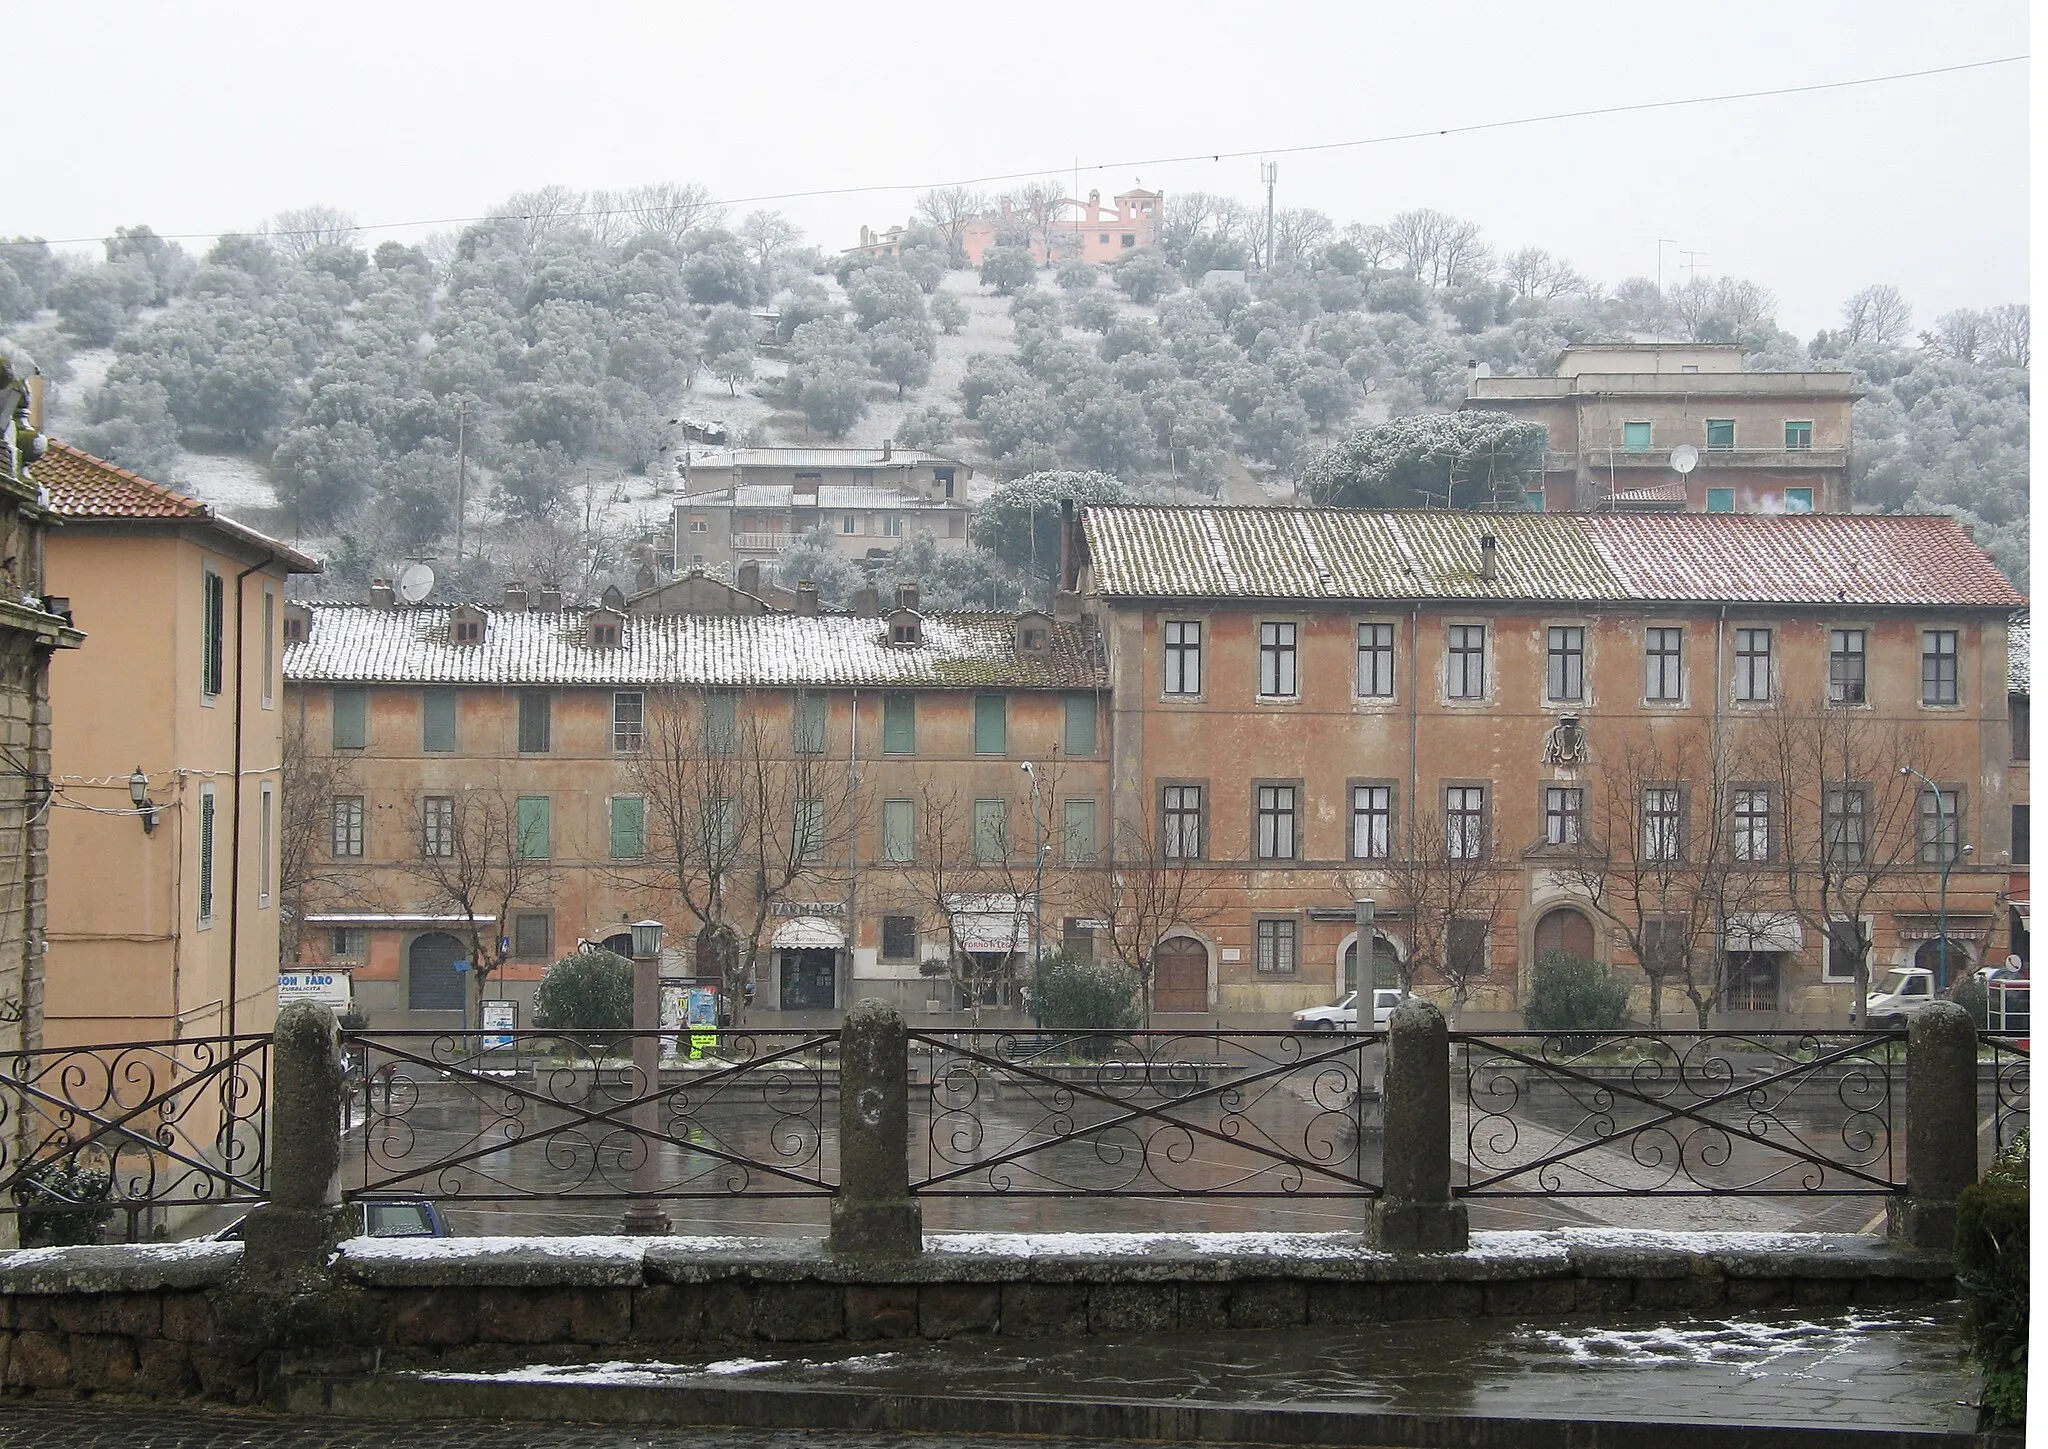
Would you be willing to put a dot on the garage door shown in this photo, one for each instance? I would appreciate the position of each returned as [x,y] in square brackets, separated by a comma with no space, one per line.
[431,981]
[1180,975]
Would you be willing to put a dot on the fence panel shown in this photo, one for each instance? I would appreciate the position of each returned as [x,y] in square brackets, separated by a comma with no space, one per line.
[2008,1059]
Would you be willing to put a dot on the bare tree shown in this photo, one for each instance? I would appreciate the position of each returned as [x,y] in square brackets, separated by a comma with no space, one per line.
[1877,314]
[1040,204]
[536,216]
[2009,332]
[310,876]
[303,229]
[948,210]
[767,234]
[1448,883]
[671,210]
[1959,334]
[1461,256]
[477,860]
[1373,243]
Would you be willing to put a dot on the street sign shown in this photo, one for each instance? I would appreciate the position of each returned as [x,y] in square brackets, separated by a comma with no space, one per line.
[461,965]
[329,988]
[499,1019]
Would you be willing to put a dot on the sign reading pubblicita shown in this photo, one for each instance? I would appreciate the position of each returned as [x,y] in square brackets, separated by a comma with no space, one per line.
[329,988]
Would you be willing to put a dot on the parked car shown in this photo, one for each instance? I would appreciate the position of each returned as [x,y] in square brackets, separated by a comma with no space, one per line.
[1343,1016]
[1904,991]
[378,1215]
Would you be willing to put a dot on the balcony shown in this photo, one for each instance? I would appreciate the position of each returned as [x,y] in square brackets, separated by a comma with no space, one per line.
[760,542]
[1802,459]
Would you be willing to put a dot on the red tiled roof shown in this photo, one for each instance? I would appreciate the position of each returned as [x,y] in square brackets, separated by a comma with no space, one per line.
[82,486]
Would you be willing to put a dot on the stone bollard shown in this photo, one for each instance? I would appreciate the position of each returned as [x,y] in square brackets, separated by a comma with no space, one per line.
[873,1211]
[1941,1127]
[288,1238]
[1416,1212]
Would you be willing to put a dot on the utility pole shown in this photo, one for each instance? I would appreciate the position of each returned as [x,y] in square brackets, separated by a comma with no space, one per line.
[461,470]
[1269,172]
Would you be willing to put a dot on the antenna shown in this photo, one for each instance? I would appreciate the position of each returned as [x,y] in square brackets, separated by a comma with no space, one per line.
[1684,458]
[415,583]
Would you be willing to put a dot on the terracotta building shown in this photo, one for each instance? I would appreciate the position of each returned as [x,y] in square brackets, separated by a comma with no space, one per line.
[1087,230]
[1681,427]
[1295,694]
[163,917]
[738,504]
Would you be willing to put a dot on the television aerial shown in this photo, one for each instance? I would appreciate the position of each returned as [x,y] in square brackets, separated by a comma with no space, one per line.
[1684,458]
[415,583]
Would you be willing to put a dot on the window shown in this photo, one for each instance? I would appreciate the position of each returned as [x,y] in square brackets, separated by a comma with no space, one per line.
[1276,948]
[1564,814]
[1798,437]
[1372,822]
[1376,661]
[213,632]
[1799,500]
[1465,672]
[437,721]
[2018,714]
[294,628]
[1465,950]
[1847,667]
[1275,822]
[721,723]
[2022,840]
[807,830]
[1534,500]
[699,523]
[892,525]
[846,524]
[1565,676]
[469,631]
[1635,437]
[1665,947]
[944,478]
[269,647]
[1276,661]
[345,835]
[348,943]
[1079,742]
[1846,827]
[536,718]
[991,830]
[1077,942]
[1938,667]
[206,814]
[1130,239]
[536,827]
[1753,824]
[1940,830]
[1031,640]
[351,718]
[1720,435]
[1183,656]
[533,936]
[991,724]
[1465,822]
[1662,657]
[899,824]
[899,938]
[266,830]
[629,721]
[807,723]
[1181,814]
[1078,843]
[899,724]
[1720,500]
[905,630]
[437,827]
[1753,665]
[1662,823]
[1844,949]
[629,827]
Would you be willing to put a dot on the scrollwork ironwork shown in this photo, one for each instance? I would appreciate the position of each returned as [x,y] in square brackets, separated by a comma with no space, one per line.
[2011,1092]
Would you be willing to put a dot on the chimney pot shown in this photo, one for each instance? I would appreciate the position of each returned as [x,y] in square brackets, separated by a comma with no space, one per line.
[867,601]
[1489,557]
[749,577]
[888,449]
[382,596]
[906,595]
[1066,606]
[515,597]
[807,599]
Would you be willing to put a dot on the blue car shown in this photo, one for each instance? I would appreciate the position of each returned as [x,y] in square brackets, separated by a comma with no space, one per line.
[378,1215]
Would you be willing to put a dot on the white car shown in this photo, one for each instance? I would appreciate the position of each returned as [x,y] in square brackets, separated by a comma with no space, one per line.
[1344,1015]
[1905,991]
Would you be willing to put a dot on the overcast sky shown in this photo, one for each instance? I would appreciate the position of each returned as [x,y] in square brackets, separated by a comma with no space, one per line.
[206,117]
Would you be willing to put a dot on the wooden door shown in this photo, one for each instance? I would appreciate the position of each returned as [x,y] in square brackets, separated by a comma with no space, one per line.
[1180,975]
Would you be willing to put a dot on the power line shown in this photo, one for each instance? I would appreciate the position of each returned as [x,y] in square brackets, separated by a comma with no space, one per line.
[1393,138]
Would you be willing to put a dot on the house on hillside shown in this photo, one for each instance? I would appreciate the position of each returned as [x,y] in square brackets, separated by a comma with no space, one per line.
[1087,230]
[733,505]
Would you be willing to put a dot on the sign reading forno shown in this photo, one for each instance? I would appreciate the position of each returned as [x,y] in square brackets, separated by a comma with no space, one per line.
[329,988]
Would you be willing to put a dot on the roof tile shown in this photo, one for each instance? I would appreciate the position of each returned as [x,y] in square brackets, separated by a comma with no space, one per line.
[82,486]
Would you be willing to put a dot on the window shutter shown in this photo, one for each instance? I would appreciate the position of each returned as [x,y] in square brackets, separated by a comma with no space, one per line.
[629,827]
[535,822]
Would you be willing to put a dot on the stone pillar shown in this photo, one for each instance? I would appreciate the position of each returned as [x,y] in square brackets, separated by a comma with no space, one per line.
[873,1211]
[1416,1212]
[288,1237]
[645,1217]
[1941,1127]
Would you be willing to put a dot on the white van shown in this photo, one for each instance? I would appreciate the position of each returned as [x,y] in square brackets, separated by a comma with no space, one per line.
[1344,1015]
[1904,991]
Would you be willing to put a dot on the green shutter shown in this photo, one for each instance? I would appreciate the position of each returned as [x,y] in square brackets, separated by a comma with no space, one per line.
[535,827]
[1720,433]
[351,718]
[899,820]
[808,732]
[536,711]
[1080,823]
[213,603]
[1720,500]
[899,724]
[991,830]
[721,723]
[991,725]
[629,827]
[1636,437]
[206,812]
[439,725]
[1080,742]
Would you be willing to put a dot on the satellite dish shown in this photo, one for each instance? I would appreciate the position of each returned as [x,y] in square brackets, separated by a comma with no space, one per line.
[1684,458]
[415,583]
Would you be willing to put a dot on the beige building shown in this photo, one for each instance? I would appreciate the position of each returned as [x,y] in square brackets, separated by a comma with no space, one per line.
[163,917]
[736,504]
[1680,427]
[1087,230]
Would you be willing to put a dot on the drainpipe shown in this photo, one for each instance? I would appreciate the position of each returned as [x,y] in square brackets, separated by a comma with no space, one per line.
[852,843]
[235,823]
[1414,715]
[1714,765]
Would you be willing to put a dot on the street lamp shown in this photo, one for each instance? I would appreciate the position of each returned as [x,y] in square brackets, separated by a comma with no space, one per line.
[1037,905]
[1948,860]
[645,1217]
[138,796]
[1365,953]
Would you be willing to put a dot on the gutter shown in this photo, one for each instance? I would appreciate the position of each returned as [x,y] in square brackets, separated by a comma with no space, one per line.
[235,824]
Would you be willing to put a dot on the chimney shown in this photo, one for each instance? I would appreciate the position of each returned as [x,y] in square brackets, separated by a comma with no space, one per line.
[515,598]
[807,599]
[906,595]
[35,401]
[1070,551]
[1471,377]
[1066,606]
[1489,557]
[888,448]
[867,601]
[749,580]
[548,599]
[644,578]
[381,595]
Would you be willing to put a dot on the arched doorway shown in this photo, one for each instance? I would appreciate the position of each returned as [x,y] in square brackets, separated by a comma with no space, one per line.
[1567,930]
[1386,964]
[431,981]
[619,945]
[1928,955]
[1180,975]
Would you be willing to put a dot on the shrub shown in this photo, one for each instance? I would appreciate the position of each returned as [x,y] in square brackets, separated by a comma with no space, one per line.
[1086,996]
[1991,1268]
[65,1203]
[589,991]
[1974,997]
[1572,994]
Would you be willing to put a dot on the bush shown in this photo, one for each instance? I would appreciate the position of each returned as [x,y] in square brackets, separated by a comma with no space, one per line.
[589,991]
[1572,994]
[1974,997]
[1086,996]
[82,1190]
[1991,1268]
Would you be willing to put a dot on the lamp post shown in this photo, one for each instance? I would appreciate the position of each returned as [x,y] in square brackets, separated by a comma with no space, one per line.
[645,1217]
[1948,860]
[1037,904]
[1365,911]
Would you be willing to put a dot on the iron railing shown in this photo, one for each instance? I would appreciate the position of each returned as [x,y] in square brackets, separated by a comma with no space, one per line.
[131,1127]
[1160,1114]
[1678,1113]
[2010,1088]
[510,1115]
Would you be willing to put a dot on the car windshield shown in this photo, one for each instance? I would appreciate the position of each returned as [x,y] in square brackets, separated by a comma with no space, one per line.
[1893,984]
[397,1220]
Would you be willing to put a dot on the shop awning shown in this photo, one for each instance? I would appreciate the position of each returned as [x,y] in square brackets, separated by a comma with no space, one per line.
[808,933]
[1763,931]
[994,922]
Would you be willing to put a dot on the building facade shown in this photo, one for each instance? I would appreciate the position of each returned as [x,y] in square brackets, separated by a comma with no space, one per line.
[1085,230]
[1324,705]
[1680,427]
[2019,694]
[163,917]
[737,504]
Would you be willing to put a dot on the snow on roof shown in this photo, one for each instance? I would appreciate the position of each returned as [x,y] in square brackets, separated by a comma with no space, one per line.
[815,458]
[2019,659]
[830,495]
[1353,554]
[351,643]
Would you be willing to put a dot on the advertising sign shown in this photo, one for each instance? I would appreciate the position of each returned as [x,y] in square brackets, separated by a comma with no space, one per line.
[329,988]
[499,1020]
